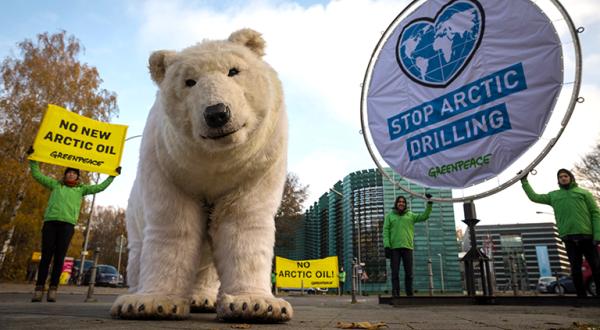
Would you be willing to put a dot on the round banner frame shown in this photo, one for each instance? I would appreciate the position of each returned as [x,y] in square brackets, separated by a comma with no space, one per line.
[574,99]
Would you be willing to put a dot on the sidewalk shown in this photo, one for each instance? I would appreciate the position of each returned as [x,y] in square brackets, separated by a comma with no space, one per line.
[311,312]
[63,289]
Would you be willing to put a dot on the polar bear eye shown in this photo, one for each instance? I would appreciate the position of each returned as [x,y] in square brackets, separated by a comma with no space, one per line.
[233,72]
[190,82]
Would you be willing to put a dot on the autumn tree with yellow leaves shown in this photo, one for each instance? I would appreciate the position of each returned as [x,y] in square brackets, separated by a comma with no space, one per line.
[47,70]
[288,219]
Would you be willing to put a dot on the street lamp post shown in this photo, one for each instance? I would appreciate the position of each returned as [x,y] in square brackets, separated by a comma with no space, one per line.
[84,251]
[358,261]
[441,271]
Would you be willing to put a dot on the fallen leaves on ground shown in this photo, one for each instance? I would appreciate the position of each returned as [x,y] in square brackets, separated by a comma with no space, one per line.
[361,325]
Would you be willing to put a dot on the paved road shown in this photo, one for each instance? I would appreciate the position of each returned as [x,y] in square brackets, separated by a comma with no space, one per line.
[311,312]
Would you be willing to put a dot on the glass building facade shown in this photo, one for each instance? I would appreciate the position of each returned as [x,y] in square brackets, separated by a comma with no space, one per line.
[347,221]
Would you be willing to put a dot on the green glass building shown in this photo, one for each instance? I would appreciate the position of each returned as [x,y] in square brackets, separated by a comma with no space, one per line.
[347,221]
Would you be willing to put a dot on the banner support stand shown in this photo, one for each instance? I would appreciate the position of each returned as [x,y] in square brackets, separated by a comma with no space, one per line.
[475,255]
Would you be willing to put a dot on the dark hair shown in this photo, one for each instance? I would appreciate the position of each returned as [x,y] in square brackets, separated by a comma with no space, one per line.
[564,170]
[396,202]
[71,169]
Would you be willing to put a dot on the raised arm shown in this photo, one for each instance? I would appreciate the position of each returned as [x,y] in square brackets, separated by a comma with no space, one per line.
[425,215]
[45,181]
[532,195]
[96,188]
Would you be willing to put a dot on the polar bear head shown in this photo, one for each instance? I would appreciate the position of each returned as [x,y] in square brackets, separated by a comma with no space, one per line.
[219,94]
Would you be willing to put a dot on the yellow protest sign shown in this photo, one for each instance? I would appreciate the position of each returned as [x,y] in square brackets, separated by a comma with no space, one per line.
[36,256]
[68,139]
[316,273]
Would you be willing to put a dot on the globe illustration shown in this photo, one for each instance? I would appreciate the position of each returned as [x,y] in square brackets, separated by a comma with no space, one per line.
[434,52]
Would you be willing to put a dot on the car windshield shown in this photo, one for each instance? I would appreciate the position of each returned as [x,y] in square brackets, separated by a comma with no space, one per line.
[547,279]
[107,269]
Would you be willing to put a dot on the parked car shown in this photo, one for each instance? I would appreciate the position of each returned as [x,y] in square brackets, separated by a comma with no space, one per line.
[306,290]
[562,285]
[542,284]
[106,275]
[565,284]
[87,264]
[316,291]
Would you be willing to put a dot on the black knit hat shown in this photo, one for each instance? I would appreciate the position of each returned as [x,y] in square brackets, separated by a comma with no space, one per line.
[71,169]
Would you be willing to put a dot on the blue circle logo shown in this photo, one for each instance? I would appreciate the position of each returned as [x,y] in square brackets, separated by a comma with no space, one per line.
[433,52]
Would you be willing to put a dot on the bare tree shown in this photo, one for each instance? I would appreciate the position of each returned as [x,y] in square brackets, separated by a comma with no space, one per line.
[588,171]
[107,226]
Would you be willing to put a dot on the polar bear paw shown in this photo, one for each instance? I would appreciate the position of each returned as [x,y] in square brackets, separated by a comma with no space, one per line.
[150,306]
[203,303]
[253,308]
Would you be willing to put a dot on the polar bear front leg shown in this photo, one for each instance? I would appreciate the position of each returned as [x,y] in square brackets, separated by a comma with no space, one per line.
[204,294]
[168,261]
[243,239]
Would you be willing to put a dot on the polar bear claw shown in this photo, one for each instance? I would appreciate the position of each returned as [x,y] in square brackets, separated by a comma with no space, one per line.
[150,306]
[254,308]
[203,303]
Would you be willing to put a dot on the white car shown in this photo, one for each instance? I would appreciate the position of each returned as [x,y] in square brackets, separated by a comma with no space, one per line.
[543,282]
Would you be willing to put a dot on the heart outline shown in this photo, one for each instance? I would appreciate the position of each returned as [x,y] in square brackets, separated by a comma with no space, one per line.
[432,22]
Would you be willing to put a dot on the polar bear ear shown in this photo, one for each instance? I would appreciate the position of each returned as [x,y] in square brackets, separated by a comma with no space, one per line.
[158,63]
[249,38]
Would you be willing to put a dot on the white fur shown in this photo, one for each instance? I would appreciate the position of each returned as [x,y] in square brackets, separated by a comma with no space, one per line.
[178,253]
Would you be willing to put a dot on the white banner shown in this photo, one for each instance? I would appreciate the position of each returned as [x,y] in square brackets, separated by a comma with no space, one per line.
[461,89]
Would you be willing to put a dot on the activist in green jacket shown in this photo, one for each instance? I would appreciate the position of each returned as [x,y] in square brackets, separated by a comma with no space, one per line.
[575,209]
[398,235]
[65,201]
[60,218]
[578,221]
[399,227]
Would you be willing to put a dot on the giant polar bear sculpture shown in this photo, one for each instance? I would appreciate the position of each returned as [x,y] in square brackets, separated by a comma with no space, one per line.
[210,178]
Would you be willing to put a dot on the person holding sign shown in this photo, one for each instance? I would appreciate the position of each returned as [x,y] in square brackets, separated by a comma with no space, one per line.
[60,218]
[398,234]
[578,221]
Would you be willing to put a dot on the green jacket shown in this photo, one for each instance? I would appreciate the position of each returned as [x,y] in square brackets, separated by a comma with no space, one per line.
[399,229]
[575,209]
[342,276]
[65,202]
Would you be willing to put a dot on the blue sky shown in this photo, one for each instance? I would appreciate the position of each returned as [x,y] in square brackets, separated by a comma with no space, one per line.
[320,49]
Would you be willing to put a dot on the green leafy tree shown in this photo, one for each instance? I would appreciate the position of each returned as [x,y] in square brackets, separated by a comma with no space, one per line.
[46,70]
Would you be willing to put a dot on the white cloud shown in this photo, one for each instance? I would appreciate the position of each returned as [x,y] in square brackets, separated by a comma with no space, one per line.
[320,169]
[322,53]
[323,49]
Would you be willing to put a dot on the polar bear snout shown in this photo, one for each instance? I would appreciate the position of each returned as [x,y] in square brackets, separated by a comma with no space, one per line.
[217,115]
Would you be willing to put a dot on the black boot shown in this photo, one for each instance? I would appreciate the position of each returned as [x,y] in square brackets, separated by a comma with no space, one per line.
[51,294]
[37,294]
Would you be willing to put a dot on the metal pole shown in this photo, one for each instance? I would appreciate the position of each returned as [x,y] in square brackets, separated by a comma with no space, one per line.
[358,223]
[84,251]
[354,281]
[441,271]
[513,275]
[430,270]
[121,238]
[92,283]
